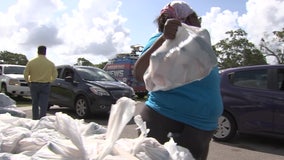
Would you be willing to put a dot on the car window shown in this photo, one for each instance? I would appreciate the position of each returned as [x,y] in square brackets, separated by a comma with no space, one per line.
[93,74]
[14,70]
[250,78]
[280,77]
[68,73]
[59,70]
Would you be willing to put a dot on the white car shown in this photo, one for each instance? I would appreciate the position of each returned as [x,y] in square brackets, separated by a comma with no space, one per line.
[12,80]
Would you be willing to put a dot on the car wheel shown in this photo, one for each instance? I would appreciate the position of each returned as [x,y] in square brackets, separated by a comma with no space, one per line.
[4,89]
[141,95]
[226,128]
[48,107]
[82,107]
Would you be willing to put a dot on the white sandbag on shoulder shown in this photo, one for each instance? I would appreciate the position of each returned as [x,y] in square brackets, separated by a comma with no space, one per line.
[187,58]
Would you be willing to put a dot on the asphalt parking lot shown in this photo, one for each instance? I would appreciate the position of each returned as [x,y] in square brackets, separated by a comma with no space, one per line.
[244,147]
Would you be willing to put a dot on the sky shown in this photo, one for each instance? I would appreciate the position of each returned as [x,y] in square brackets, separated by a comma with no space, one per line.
[98,29]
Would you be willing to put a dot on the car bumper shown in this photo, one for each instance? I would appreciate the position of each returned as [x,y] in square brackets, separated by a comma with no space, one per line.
[19,90]
[102,104]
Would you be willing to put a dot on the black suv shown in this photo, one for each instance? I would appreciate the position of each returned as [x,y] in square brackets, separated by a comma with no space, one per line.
[87,90]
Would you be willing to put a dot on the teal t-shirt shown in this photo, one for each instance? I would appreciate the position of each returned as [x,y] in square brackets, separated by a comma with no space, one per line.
[198,104]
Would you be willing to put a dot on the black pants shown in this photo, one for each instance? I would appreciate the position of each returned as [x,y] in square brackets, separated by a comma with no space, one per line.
[39,94]
[195,140]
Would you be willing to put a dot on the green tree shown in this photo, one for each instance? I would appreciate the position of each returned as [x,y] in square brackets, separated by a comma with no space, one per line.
[12,58]
[101,65]
[84,62]
[236,51]
[272,45]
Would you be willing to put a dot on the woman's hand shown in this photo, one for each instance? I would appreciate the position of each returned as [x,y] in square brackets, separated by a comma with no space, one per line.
[170,29]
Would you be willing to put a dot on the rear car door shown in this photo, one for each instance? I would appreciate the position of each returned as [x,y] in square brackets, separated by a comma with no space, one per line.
[53,98]
[279,101]
[251,100]
[62,90]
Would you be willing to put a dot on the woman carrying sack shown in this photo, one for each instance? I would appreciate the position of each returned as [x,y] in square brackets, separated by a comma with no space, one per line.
[190,111]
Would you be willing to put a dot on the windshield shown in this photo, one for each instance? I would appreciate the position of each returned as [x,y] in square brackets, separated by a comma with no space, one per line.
[14,70]
[94,74]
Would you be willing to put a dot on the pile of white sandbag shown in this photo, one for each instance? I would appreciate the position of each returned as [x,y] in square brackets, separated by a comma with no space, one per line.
[62,137]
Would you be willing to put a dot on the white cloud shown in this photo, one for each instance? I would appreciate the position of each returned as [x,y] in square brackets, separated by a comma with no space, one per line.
[218,22]
[94,30]
[262,17]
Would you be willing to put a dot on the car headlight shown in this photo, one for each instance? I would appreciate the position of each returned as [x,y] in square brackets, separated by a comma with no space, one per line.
[99,91]
[14,82]
[123,83]
[132,90]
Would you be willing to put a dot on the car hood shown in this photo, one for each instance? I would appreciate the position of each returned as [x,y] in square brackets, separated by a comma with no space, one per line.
[16,76]
[108,84]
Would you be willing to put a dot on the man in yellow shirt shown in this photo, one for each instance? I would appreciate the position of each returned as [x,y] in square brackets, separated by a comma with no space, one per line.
[39,72]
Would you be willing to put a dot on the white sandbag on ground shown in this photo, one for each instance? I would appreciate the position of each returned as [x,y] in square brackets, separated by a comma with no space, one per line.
[6,100]
[62,137]
[8,105]
[187,58]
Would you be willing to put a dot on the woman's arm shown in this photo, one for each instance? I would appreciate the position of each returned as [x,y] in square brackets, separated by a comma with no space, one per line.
[142,63]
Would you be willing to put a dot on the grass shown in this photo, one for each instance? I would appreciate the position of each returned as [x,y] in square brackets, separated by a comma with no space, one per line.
[27,101]
[22,101]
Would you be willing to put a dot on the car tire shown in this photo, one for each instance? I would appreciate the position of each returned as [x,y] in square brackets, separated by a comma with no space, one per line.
[141,95]
[82,107]
[48,107]
[227,128]
[4,88]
